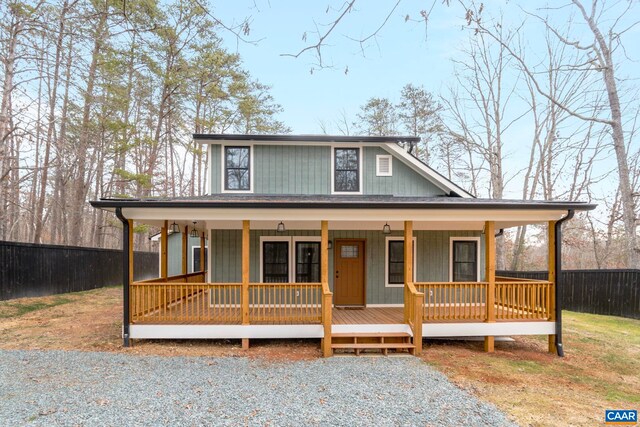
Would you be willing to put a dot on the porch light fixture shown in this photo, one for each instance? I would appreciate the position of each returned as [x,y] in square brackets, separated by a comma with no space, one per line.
[280,228]
[194,232]
[386,229]
[175,228]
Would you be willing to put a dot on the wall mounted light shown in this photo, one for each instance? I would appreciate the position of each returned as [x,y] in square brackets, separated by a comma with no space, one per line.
[330,244]
[386,229]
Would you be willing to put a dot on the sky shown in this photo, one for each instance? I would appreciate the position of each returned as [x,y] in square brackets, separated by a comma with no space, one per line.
[402,52]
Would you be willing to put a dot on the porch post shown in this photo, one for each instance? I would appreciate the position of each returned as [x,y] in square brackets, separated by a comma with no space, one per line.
[163,249]
[552,278]
[203,267]
[245,278]
[326,297]
[408,265]
[185,248]
[490,278]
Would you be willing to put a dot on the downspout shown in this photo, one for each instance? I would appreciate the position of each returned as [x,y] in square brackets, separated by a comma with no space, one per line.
[125,276]
[558,284]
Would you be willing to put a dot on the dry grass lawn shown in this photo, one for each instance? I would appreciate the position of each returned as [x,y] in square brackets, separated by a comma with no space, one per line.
[601,369]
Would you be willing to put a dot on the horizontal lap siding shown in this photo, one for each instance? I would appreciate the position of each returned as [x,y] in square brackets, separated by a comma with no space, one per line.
[432,257]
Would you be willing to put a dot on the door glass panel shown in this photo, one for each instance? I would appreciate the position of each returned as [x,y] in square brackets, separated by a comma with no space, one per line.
[349,251]
[308,262]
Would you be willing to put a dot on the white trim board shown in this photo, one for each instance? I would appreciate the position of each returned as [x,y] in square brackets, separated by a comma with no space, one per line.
[386,260]
[224,331]
[487,329]
[426,171]
[360,166]
[223,169]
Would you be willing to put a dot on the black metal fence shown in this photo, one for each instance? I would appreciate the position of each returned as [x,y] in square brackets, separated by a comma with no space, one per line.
[611,292]
[30,270]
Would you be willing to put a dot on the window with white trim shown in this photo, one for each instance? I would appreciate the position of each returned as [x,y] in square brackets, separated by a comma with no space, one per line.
[346,170]
[394,261]
[384,165]
[464,262]
[237,168]
[286,259]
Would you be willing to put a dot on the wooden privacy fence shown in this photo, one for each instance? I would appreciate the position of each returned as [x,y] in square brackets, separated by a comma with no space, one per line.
[31,270]
[610,292]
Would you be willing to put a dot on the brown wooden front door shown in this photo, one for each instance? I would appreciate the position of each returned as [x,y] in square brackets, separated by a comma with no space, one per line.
[348,285]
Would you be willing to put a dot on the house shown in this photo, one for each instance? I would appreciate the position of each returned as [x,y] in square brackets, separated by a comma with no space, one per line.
[349,239]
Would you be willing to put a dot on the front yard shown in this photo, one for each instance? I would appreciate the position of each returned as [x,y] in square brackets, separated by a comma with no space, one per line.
[601,369]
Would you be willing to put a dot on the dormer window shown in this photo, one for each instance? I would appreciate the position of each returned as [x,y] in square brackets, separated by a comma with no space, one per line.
[346,170]
[237,168]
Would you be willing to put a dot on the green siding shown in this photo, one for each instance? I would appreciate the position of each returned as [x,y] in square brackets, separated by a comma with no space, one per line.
[432,262]
[215,174]
[404,182]
[174,256]
[284,169]
[299,169]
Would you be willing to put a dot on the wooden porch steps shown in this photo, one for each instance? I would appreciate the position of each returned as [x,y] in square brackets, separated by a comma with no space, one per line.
[375,341]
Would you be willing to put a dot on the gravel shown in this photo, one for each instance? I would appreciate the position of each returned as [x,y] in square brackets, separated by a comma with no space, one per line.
[95,389]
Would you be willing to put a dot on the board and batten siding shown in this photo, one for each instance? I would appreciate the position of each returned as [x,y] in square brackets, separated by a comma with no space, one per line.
[174,256]
[432,257]
[306,170]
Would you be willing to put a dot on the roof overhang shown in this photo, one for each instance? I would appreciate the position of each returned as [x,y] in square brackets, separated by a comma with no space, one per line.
[218,138]
[445,214]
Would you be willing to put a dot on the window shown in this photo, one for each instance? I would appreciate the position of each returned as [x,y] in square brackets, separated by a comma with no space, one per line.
[237,170]
[195,259]
[346,176]
[464,259]
[394,262]
[383,165]
[349,251]
[275,262]
[307,262]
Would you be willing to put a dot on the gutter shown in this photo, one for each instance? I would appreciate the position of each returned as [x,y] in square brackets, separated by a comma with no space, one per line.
[125,275]
[558,262]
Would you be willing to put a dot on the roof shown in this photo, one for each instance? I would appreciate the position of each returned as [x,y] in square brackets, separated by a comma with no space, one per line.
[267,201]
[303,138]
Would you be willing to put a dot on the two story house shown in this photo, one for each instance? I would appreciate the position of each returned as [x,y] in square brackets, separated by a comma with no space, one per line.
[349,239]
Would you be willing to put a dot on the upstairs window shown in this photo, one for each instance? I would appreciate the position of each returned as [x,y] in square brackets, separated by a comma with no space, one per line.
[346,170]
[237,173]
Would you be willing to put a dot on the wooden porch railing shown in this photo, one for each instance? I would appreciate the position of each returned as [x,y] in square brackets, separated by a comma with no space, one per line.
[524,300]
[453,301]
[466,301]
[414,301]
[278,303]
[180,300]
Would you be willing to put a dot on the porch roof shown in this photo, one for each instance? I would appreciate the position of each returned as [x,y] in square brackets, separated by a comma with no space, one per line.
[343,212]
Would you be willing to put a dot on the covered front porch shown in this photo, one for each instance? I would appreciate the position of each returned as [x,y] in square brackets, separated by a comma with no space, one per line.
[193,306]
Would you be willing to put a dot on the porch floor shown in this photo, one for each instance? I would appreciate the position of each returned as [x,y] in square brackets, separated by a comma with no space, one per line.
[368,316]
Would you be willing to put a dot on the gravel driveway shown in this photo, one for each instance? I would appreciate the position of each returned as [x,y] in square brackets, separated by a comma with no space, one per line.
[95,389]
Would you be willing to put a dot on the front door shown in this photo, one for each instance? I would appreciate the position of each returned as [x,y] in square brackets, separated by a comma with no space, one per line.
[348,285]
